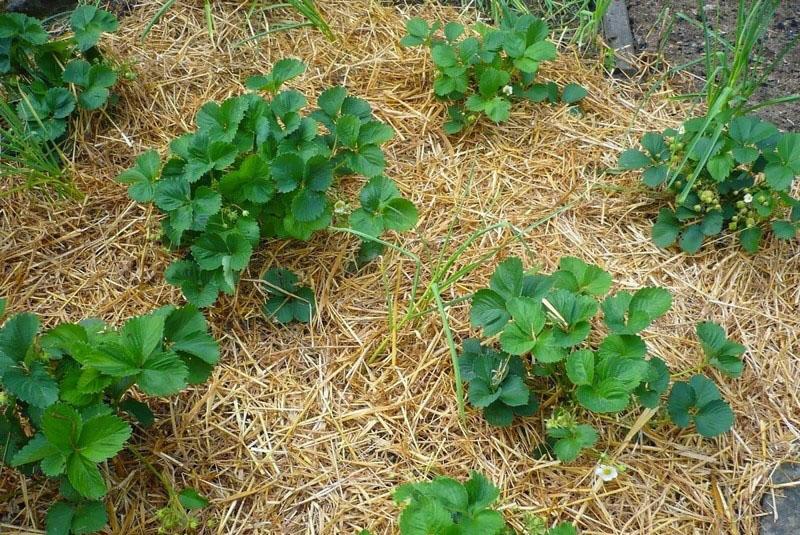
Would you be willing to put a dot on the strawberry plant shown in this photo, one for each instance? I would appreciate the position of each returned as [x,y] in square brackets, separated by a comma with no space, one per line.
[444,506]
[65,397]
[287,301]
[259,167]
[483,70]
[544,326]
[49,79]
[738,180]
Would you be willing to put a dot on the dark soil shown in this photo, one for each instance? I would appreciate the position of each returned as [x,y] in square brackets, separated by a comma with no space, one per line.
[649,18]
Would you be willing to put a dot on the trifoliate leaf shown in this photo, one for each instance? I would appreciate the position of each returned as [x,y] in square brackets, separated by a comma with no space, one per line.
[699,401]
[94,81]
[200,287]
[577,276]
[569,442]
[17,26]
[624,313]
[220,122]
[654,383]
[231,251]
[382,209]
[287,300]
[89,23]
[142,177]
[722,353]
[283,71]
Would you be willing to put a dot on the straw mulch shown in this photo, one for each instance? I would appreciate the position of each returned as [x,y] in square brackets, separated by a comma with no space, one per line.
[298,432]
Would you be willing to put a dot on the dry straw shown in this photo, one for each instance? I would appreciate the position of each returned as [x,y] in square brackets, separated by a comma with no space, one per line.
[297,432]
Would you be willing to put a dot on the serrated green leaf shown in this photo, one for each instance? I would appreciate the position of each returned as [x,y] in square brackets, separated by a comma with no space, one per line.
[31,384]
[489,311]
[692,238]
[750,238]
[283,71]
[491,80]
[784,230]
[347,130]
[89,23]
[192,500]
[142,177]
[721,352]
[714,418]
[577,276]
[16,338]
[85,476]
[666,228]
[607,395]
[634,159]
[443,55]
[573,93]
[89,517]
[580,367]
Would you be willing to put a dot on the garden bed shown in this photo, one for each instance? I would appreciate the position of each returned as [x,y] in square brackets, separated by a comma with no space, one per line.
[310,428]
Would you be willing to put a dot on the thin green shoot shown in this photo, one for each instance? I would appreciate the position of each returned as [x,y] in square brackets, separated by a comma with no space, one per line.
[453,352]
[27,160]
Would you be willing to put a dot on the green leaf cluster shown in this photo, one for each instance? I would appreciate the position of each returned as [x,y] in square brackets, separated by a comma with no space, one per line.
[287,301]
[732,176]
[483,70]
[49,78]
[698,401]
[65,391]
[497,383]
[258,167]
[444,506]
[547,330]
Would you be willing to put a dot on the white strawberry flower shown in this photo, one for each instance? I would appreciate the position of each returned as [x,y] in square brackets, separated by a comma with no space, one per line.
[508,90]
[748,198]
[606,472]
